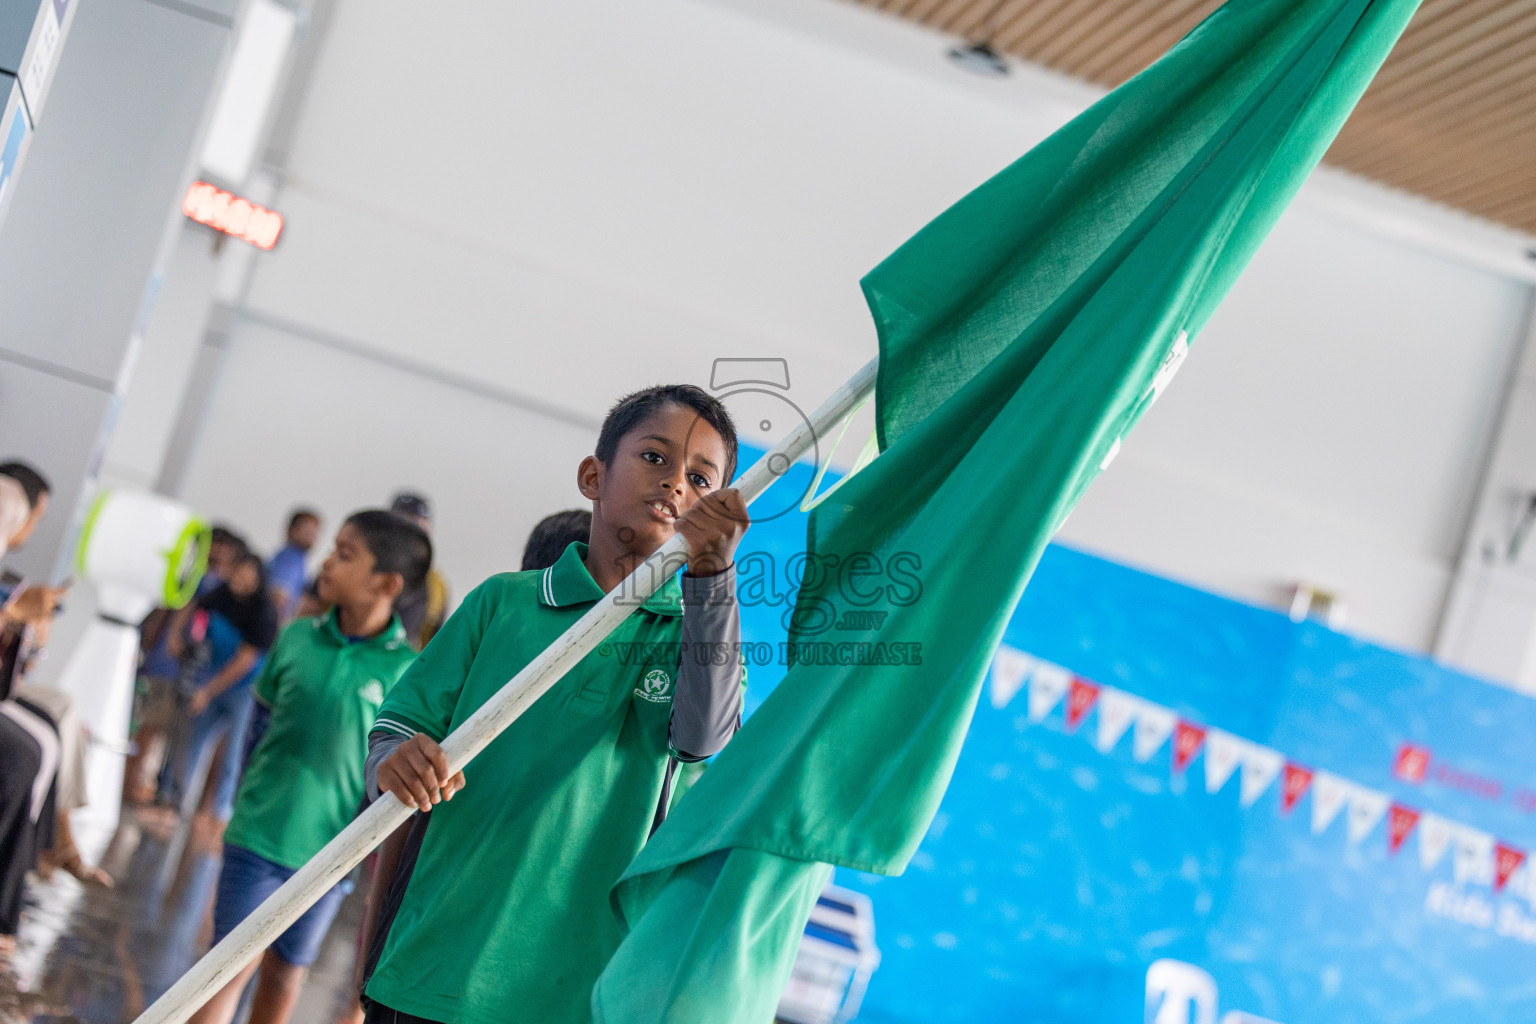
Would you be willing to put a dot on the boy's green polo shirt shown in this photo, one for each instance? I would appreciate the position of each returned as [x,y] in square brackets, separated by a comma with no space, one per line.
[304,780]
[506,917]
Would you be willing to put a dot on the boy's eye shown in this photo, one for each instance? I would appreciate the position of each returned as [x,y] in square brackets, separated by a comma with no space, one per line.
[699,480]
[652,457]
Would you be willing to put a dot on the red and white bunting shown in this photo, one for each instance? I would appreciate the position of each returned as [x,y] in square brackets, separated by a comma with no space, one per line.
[1400,822]
[1154,724]
[1223,751]
[1187,741]
[1080,700]
[1506,861]
[1294,783]
[1047,685]
[1366,808]
[1435,835]
[1117,711]
[1472,860]
[1329,792]
[1478,859]
[1010,668]
[1260,766]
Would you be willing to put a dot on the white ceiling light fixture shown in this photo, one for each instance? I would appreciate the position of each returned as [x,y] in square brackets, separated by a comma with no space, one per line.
[977,55]
[245,97]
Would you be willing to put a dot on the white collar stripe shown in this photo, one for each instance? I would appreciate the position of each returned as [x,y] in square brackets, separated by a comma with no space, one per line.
[390,725]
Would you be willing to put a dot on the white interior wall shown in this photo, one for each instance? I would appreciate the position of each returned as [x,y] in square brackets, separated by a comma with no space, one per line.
[1328,428]
[295,421]
[498,209]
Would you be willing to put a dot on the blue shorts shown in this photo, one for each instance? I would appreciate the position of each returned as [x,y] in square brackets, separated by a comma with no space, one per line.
[245,880]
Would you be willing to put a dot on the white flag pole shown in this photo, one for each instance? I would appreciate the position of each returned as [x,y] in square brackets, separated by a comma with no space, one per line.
[340,855]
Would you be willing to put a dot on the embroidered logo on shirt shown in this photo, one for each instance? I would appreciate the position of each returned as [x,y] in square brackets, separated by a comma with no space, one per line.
[372,691]
[655,687]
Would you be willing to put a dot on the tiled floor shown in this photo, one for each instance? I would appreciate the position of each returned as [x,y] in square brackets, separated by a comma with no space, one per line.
[102,956]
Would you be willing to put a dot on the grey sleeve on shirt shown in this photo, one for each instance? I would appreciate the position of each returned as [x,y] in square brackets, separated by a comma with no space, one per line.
[381,743]
[706,703]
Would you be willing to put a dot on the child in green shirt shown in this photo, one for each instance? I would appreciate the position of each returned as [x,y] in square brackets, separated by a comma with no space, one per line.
[320,689]
[505,918]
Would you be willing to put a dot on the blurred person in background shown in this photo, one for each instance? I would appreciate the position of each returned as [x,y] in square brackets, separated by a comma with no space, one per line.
[287,570]
[42,743]
[159,708]
[317,699]
[23,503]
[423,609]
[24,496]
[238,624]
[553,535]
[389,869]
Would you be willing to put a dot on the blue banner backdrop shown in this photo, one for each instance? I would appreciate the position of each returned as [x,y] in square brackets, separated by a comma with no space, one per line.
[1064,884]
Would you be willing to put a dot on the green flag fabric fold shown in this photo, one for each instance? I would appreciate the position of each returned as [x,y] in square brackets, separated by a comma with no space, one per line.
[1022,334]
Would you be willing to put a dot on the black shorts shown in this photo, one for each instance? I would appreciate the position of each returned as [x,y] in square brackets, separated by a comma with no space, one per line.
[378,1013]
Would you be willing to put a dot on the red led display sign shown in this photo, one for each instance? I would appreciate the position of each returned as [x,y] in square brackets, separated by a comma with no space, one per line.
[227,212]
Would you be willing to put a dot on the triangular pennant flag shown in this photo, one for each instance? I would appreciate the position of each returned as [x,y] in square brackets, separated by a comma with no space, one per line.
[1366,808]
[1293,785]
[1260,766]
[1187,740]
[1473,859]
[1154,724]
[1434,836]
[1222,753]
[1047,685]
[1328,795]
[1506,860]
[1116,711]
[1080,698]
[1010,667]
[1400,822]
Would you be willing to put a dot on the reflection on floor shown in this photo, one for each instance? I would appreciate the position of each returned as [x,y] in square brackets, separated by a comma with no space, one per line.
[102,956]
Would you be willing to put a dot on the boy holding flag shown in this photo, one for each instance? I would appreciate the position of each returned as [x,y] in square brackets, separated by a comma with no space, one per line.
[506,915]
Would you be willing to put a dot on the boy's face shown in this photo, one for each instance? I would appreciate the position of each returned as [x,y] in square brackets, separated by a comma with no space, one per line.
[348,576]
[220,555]
[38,511]
[244,580]
[304,533]
[663,465]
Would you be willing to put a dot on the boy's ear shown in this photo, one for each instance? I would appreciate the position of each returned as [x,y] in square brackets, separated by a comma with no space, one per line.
[589,477]
[391,584]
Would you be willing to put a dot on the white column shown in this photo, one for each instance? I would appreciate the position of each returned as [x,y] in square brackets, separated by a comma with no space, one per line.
[1489,627]
[86,232]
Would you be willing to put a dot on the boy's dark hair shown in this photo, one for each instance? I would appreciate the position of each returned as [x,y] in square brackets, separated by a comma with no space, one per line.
[301,514]
[224,535]
[553,535]
[631,409]
[397,544]
[409,503]
[32,482]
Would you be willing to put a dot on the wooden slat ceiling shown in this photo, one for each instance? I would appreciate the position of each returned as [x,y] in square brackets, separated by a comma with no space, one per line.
[1451,116]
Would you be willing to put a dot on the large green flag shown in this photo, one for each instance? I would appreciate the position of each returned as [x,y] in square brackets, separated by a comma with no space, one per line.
[1022,334]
